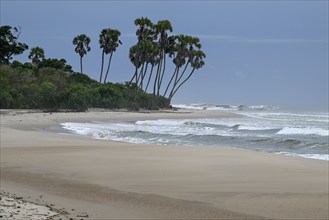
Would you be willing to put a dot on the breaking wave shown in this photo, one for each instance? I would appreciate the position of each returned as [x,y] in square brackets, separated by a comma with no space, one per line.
[304,135]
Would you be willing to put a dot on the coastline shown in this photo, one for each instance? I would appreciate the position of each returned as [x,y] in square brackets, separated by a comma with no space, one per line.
[120,180]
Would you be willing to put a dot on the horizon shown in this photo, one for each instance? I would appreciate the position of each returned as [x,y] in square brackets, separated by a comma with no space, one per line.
[258,53]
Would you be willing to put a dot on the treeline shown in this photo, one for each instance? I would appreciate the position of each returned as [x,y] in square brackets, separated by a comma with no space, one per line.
[24,86]
[51,83]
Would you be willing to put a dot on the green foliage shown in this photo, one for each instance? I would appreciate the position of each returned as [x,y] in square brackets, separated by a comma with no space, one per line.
[109,42]
[36,54]
[56,64]
[82,46]
[9,43]
[80,78]
[25,86]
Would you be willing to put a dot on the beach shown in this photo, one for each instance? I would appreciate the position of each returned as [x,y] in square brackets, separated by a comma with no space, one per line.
[102,179]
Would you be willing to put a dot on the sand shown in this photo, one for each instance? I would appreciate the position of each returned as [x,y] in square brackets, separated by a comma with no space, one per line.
[95,179]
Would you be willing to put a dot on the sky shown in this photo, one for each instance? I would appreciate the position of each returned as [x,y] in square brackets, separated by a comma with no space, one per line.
[258,52]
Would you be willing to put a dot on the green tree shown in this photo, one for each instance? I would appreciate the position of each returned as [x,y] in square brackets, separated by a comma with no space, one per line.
[196,61]
[36,54]
[161,30]
[9,43]
[109,42]
[186,49]
[56,64]
[144,51]
[82,46]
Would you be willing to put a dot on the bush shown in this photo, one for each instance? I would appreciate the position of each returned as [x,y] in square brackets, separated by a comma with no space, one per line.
[21,87]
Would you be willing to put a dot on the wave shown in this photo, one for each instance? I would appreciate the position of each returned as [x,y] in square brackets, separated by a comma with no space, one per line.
[264,134]
[310,156]
[211,107]
[303,131]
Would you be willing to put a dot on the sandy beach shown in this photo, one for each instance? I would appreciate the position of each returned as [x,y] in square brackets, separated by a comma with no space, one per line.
[97,179]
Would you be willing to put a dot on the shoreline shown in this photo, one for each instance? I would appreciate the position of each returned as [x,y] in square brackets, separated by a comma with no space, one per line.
[121,180]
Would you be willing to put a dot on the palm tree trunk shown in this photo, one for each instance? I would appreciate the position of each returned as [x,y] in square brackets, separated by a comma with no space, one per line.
[181,84]
[132,78]
[175,83]
[158,74]
[143,76]
[81,64]
[180,77]
[148,82]
[176,70]
[140,75]
[108,67]
[136,72]
[163,71]
[100,79]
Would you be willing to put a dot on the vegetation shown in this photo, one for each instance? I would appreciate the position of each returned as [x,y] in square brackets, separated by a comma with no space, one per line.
[109,41]
[82,46]
[36,54]
[29,87]
[49,83]
[153,47]
[9,43]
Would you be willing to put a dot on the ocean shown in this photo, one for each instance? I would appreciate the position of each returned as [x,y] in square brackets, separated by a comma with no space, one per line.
[260,128]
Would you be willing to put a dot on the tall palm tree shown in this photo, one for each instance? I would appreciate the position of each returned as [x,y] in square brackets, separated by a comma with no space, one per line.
[186,52]
[109,41]
[196,63]
[145,30]
[153,58]
[161,29]
[82,46]
[180,55]
[136,60]
[36,54]
[145,35]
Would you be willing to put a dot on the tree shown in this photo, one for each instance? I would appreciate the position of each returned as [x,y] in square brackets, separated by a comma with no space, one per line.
[196,63]
[36,54]
[186,52]
[9,43]
[109,41]
[56,64]
[145,30]
[161,29]
[146,51]
[82,46]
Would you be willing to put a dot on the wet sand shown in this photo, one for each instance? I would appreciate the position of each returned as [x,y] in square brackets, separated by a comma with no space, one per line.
[112,180]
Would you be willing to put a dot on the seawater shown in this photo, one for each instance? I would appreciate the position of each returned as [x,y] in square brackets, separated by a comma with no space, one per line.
[261,128]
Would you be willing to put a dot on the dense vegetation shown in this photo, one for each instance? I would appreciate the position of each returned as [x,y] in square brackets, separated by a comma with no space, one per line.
[27,86]
[52,84]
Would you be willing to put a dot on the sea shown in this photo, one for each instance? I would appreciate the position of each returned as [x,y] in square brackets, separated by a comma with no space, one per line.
[263,128]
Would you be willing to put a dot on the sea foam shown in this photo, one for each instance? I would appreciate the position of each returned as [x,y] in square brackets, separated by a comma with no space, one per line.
[303,131]
[304,135]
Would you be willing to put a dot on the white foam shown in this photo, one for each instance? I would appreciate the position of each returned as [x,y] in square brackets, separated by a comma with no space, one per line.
[161,122]
[303,131]
[310,156]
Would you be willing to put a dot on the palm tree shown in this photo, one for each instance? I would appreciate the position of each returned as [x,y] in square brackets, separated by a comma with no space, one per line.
[145,30]
[136,60]
[145,35]
[109,41]
[196,63]
[180,54]
[161,29]
[82,46]
[153,58]
[36,54]
[185,52]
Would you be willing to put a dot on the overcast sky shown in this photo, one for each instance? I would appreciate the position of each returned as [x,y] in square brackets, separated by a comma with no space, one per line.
[258,52]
